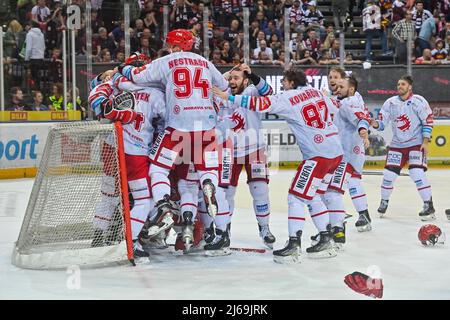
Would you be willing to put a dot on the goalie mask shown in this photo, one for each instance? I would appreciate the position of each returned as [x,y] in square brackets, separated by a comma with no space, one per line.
[429,235]
[137,59]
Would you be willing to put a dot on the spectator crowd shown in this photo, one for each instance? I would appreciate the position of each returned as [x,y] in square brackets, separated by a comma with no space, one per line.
[33,40]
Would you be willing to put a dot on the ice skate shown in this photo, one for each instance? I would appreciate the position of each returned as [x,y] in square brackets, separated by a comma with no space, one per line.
[209,193]
[363,223]
[383,207]
[291,252]
[187,232]
[447,213]
[267,236]
[164,217]
[209,234]
[324,248]
[338,237]
[138,250]
[220,246]
[427,214]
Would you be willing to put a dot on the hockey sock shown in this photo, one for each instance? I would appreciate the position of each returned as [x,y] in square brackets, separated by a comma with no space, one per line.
[261,205]
[297,215]
[387,185]
[319,213]
[104,209]
[230,192]
[334,202]
[204,216]
[222,218]
[189,196]
[160,182]
[421,181]
[357,194]
[142,205]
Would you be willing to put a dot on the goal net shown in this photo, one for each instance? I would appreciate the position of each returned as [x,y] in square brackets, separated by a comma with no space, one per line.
[78,211]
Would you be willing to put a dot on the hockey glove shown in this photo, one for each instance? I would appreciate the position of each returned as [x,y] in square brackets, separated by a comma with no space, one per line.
[115,112]
[364,284]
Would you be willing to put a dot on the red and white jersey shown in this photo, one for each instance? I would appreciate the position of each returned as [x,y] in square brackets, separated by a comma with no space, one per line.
[243,125]
[352,116]
[188,79]
[411,120]
[109,89]
[138,135]
[306,111]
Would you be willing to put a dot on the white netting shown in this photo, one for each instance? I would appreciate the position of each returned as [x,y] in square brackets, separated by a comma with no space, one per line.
[75,211]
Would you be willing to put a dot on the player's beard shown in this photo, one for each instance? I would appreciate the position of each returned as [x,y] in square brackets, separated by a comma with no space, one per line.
[238,89]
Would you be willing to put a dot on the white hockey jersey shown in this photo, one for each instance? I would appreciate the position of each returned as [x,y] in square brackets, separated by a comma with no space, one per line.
[306,111]
[351,117]
[244,126]
[188,79]
[411,120]
[106,90]
[150,104]
[138,135]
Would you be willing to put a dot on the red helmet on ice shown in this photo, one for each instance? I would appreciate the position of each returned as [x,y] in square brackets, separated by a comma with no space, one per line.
[137,59]
[181,38]
[430,234]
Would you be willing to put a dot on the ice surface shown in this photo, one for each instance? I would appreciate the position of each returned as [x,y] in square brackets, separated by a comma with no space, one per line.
[391,250]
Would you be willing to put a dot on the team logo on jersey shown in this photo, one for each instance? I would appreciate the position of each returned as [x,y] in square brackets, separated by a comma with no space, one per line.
[403,122]
[357,150]
[176,109]
[318,138]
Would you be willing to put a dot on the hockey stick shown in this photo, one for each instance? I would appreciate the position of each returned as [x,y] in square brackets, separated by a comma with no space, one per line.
[248,250]
[241,249]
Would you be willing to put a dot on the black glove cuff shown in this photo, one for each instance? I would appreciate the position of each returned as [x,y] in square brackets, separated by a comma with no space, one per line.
[253,77]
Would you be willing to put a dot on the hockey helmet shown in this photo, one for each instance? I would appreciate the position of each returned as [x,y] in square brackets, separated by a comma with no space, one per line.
[430,234]
[181,38]
[137,59]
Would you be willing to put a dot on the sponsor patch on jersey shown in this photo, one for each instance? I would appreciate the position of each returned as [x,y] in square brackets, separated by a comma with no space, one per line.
[352,191]
[415,157]
[156,144]
[176,109]
[394,158]
[211,159]
[167,157]
[339,175]
[262,208]
[418,183]
[304,176]
[318,138]
[258,170]
[226,165]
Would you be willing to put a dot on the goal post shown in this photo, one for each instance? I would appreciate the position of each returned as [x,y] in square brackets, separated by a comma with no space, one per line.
[78,212]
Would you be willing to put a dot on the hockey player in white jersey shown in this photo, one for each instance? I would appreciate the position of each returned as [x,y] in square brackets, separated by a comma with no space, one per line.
[249,150]
[411,120]
[352,121]
[191,120]
[306,111]
[138,137]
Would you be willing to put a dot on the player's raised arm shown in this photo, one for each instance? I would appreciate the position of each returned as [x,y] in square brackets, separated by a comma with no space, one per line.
[257,104]
[142,74]
[264,89]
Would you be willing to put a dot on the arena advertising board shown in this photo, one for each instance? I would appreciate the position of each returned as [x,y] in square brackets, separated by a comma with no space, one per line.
[22,146]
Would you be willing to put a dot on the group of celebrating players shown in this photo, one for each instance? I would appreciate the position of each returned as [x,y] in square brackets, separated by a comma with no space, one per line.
[193,129]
